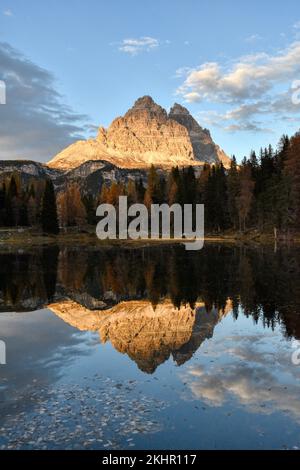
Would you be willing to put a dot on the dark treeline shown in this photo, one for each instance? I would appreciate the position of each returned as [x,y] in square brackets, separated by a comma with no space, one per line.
[265,284]
[262,193]
[28,204]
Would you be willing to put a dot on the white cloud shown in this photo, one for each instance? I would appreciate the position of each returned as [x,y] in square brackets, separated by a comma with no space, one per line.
[248,87]
[8,13]
[249,77]
[297,25]
[136,46]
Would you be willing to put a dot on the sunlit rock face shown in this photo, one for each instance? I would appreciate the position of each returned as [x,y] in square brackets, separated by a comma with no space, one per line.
[146,135]
[204,148]
[148,335]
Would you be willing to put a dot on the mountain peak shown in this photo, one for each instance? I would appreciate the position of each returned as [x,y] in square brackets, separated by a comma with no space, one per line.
[146,104]
[179,109]
[146,135]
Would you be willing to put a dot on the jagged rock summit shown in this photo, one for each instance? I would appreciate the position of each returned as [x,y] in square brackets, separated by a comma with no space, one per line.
[146,135]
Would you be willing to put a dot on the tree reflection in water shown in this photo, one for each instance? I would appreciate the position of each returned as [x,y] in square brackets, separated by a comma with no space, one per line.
[157,301]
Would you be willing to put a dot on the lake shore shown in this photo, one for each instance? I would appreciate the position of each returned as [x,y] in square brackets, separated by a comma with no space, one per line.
[30,237]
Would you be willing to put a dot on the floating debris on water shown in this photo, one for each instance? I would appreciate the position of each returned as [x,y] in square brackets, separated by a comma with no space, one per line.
[107,415]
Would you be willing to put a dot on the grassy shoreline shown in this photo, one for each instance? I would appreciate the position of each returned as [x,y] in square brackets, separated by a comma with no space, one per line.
[17,237]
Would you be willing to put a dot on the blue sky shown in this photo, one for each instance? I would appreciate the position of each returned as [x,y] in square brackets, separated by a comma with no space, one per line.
[231,63]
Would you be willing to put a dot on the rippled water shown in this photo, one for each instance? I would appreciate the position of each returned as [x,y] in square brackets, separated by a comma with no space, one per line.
[150,348]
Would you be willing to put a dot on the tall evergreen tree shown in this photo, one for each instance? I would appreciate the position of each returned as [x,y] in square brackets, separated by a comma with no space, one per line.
[10,197]
[140,190]
[23,214]
[49,210]
[152,191]
[234,189]
[174,186]
[90,208]
[245,197]
[293,171]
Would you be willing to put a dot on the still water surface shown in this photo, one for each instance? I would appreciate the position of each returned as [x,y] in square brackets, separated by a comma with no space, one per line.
[150,348]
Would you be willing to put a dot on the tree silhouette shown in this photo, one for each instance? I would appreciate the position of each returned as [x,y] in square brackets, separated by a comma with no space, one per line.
[49,211]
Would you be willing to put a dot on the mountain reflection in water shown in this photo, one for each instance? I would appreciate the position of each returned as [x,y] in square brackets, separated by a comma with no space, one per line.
[149,335]
[153,303]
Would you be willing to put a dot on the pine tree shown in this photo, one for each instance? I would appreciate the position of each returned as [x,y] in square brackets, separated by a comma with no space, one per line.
[189,185]
[245,197]
[140,190]
[293,172]
[23,214]
[234,189]
[90,209]
[174,187]
[216,199]
[114,192]
[11,194]
[152,191]
[283,148]
[131,192]
[49,210]
[103,194]
[71,208]
[162,188]
[76,208]
[202,183]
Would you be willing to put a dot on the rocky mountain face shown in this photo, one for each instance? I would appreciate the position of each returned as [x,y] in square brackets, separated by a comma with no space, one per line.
[27,169]
[204,148]
[146,135]
[91,175]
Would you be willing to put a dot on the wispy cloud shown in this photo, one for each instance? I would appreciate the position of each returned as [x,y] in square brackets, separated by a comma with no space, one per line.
[35,123]
[248,127]
[253,38]
[134,46]
[183,71]
[8,13]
